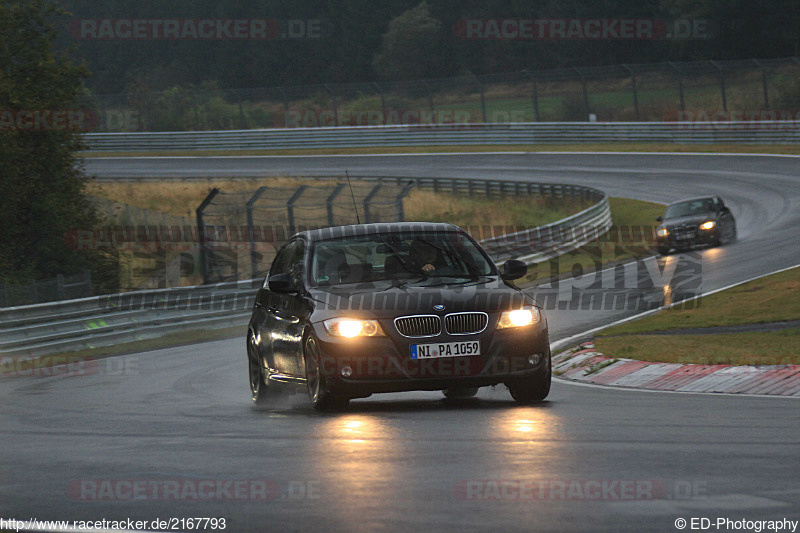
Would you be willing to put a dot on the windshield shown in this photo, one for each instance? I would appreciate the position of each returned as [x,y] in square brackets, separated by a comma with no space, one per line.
[689,208]
[397,256]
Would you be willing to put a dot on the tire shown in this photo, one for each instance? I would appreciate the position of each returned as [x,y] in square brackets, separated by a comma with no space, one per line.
[532,389]
[663,250]
[322,399]
[460,393]
[733,234]
[261,391]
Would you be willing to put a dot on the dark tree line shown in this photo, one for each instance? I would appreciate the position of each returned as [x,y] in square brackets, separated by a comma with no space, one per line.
[42,68]
[42,185]
[366,41]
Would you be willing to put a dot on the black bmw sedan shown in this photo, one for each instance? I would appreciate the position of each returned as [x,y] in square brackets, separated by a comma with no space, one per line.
[349,311]
[693,223]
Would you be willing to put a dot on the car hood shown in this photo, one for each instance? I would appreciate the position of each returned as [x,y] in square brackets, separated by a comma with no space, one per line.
[691,219]
[380,300]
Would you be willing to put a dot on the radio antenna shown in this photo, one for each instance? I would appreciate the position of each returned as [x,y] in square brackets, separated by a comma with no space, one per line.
[353,196]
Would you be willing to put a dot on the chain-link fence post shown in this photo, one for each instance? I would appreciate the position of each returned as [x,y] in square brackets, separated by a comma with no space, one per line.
[201,235]
[290,207]
[430,97]
[383,102]
[585,92]
[534,98]
[721,84]
[763,82]
[680,84]
[251,231]
[329,203]
[333,105]
[401,216]
[483,97]
[633,86]
[367,200]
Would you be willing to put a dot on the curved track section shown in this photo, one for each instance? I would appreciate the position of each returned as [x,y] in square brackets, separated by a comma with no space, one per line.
[588,459]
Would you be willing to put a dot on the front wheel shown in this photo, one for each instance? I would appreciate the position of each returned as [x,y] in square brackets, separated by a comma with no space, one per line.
[534,388]
[322,399]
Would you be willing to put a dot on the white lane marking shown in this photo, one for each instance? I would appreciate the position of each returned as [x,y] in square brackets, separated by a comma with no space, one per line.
[436,154]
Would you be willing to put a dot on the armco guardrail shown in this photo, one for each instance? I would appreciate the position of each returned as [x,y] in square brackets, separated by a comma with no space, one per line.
[103,320]
[755,132]
[538,244]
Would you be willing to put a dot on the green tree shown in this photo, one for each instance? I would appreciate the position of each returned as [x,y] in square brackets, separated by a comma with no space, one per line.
[43,196]
[412,46]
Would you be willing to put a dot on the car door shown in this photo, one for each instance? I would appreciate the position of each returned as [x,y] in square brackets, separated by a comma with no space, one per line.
[289,310]
[279,313]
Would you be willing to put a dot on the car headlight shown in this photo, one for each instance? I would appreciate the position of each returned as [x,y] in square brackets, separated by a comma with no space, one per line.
[662,232]
[352,327]
[708,225]
[519,318]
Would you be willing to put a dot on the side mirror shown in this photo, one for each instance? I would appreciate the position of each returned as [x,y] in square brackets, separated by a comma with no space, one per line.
[513,269]
[281,283]
[659,219]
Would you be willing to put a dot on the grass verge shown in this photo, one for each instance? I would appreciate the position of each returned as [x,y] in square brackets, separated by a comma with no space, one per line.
[752,348]
[770,299]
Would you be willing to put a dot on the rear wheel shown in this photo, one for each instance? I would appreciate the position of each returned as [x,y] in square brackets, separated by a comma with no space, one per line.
[732,237]
[322,399]
[534,388]
[460,393]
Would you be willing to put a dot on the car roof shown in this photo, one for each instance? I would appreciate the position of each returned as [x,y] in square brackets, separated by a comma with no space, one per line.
[693,199]
[335,232]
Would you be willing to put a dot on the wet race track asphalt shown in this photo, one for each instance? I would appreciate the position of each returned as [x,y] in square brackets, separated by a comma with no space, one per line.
[149,435]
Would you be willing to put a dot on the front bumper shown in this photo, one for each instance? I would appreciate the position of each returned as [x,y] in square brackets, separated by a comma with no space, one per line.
[693,240]
[359,367]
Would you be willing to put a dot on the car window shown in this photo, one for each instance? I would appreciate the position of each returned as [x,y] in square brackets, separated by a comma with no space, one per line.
[295,262]
[284,257]
[391,256]
[689,208]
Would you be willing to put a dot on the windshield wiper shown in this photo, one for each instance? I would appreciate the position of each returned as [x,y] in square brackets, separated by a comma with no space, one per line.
[396,254]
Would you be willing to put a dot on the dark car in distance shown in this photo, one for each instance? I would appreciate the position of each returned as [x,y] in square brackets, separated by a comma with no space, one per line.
[349,311]
[693,223]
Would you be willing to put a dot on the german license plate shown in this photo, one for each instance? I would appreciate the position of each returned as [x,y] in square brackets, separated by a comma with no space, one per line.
[445,349]
[684,236]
